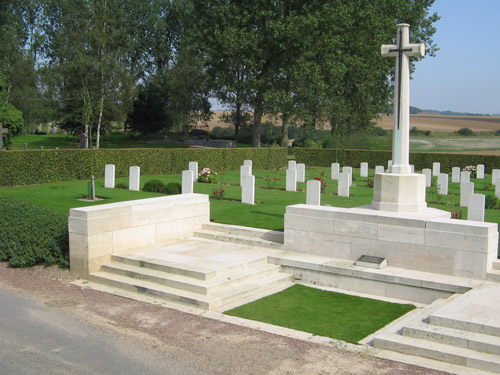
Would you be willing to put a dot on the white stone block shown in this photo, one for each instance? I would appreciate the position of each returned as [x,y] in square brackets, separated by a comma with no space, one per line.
[193,166]
[349,171]
[455,174]
[399,192]
[464,176]
[379,169]
[495,173]
[497,190]
[475,207]
[412,168]
[344,184]
[363,170]
[436,168]
[187,181]
[442,184]
[301,172]
[244,171]
[313,193]
[389,165]
[249,163]
[109,176]
[466,190]
[336,171]
[480,171]
[428,176]
[292,164]
[248,190]
[134,178]
[291,179]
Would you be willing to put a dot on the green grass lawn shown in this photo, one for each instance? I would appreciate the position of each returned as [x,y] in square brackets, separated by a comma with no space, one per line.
[111,140]
[339,316]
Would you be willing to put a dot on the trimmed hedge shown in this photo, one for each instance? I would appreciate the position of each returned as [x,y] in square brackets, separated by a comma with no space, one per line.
[31,235]
[324,157]
[31,167]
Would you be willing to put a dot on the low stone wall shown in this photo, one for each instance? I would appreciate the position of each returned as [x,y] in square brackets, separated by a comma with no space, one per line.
[98,232]
[427,240]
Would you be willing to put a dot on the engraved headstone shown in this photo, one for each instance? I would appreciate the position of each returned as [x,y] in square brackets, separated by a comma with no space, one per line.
[193,166]
[480,171]
[335,171]
[495,173]
[248,190]
[436,168]
[187,181]
[379,169]
[442,184]
[343,186]
[363,170]
[475,208]
[466,190]
[292,164]
[455,174]
[244,171]
[301,172]
[291,180]
[313,193]
[464,176]
[134,178]
[248,163]
[109,176]
[349,171]
[428,176]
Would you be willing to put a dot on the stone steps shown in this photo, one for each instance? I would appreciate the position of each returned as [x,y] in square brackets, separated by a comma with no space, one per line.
[441,352]
[494,273]
[225,296]
[264,238]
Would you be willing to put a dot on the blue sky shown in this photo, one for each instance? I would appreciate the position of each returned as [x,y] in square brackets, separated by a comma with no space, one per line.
[464,76]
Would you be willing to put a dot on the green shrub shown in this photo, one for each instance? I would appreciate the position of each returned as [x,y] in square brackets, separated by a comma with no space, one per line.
[32,235]
[465,132]
[380,132]
[154,186]
[173,188]
[219,132]
[490,202]
[121,185]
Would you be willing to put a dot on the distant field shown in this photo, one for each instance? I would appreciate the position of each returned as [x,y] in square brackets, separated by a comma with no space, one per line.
[439,123]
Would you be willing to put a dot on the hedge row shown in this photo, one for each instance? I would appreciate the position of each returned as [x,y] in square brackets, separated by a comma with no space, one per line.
[31,235]
[324,157]
[43,166]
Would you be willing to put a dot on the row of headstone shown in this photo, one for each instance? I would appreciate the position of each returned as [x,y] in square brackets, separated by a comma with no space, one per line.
[457,173]
[134,177]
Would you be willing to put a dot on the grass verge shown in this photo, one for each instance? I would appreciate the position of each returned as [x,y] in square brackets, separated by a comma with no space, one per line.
[339,316]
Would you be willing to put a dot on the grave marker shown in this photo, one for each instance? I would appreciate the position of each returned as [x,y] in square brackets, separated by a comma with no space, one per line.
[313,193]
[475,207]
[301,172]
[495,173]
[193,166]
[442,187]
[466,190]
[379,169]
[464,176]
[248,163]
[134,178]
[455,174]
[244,171]
[292,164]
[335,171]
[291,180]
[428,176]
[363,170]
[248,190]
[187,181]
[436,168]
[109,176]
[480,171]
[349,171]
[343,186]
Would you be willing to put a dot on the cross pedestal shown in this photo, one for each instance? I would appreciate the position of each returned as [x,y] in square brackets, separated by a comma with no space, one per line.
[400,190]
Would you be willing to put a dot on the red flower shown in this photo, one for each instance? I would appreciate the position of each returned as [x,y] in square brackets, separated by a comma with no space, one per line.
[368,180]
[275,179]
[309,167]
[265,179]
[222,191]
[161,183]
[214,193]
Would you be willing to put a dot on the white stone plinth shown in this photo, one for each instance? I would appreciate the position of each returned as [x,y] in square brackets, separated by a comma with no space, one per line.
[335,171]
[109,176]
[248,190]
[301,172]
[193,166]
[399,192]
[134,178]
[313,194]
[187,181]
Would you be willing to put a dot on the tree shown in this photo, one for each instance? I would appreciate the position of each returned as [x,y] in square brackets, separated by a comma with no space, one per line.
[10,118]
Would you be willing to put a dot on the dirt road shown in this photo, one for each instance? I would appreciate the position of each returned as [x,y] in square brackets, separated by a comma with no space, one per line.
[194,342]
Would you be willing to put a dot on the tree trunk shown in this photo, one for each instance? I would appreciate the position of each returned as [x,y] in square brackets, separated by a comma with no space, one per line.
[257,119]
[284,130]
[237,122]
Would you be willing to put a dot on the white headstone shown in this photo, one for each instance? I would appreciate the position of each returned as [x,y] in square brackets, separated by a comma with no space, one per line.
[436,168]
[291,180]
[412,168]
[475,208]
[292,164]
[442,184]
[455,174]
[495,173]
[248,163]
[193,166]
[466,190]
[497,189]
[313,193]
[109,176]
[248,190]
[244,171]
[464,176]
[134,178]
[187,181]
[379,169]
[389,164]
[301,172]
[480,171]
[343,186]
[363,170]
[349,171]
[335,171]
[428,176]
[402,50]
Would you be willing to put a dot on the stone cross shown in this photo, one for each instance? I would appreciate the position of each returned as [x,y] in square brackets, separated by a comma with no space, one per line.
[402,50]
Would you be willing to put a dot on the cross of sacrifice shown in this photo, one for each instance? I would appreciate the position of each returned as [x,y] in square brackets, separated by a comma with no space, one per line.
[402,50]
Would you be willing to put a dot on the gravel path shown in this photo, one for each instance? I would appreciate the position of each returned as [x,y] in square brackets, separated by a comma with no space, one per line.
[203,344]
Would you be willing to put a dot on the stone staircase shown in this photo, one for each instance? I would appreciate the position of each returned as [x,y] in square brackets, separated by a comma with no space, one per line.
[209,289]
[494,273]
[441,335]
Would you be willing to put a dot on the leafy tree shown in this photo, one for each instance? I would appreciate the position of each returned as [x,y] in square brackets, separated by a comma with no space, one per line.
[10,118]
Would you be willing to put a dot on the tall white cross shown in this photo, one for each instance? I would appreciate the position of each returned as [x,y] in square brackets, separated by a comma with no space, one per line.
[401,133]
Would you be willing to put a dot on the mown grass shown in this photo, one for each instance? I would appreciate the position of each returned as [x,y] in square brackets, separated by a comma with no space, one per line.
[339,316]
